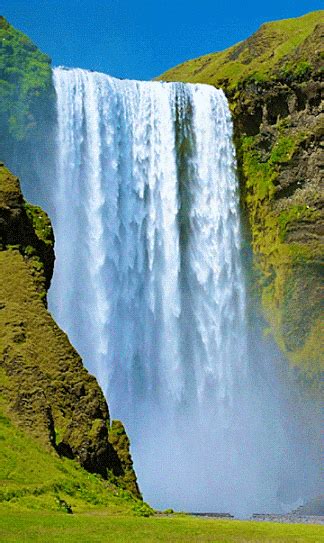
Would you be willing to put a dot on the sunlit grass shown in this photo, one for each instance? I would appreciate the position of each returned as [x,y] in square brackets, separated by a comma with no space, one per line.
[83,528]
[255,57]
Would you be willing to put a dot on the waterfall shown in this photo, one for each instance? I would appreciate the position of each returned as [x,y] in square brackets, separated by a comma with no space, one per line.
[149,285]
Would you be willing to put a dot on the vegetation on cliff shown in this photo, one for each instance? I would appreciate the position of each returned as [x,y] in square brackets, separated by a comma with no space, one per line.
[273,84]
[25,81]
[34,478]
[27,106]
[45,390]
[277,49]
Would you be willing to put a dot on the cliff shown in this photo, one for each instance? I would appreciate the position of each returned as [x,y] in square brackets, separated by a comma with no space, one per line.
[45,390]
[273,83]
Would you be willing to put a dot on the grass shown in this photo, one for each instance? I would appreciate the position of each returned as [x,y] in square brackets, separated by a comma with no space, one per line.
[20,527]
[254,58]
[35,479]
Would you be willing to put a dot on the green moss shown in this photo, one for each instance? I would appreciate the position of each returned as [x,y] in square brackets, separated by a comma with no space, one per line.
[286,144]
[260,176]
[9,188]
[41,223]
[33,478]
[300,70]
[95,429]
[121,445]
[58,435]
[27,229]
[287,273]
[36,266]
[283,149]
[302,304]
[25,81]
[295,214]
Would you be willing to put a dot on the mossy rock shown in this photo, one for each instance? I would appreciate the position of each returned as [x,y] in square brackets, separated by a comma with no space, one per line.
[44,387]
[121,445]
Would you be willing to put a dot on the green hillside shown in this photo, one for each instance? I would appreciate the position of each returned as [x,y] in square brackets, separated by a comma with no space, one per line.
[276,49]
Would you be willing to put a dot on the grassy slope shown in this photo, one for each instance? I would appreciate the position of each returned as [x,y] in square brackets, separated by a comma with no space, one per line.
[19,527]
[32,477]
[31,474]
[42,348]
[255,57]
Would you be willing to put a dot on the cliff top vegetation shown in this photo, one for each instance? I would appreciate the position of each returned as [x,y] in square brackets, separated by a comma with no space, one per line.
[25,78]
[269,52]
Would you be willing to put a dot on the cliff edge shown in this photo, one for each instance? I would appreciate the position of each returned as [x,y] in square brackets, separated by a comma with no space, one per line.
[45,390]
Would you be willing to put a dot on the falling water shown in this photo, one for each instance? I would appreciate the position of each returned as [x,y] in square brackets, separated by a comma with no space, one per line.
[149,285]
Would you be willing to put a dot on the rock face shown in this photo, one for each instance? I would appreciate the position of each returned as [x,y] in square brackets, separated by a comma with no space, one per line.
[273,83]
[27,227]
[281,168]
[44,387]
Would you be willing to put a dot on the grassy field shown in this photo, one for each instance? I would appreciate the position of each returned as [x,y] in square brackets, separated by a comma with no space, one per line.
[20,527]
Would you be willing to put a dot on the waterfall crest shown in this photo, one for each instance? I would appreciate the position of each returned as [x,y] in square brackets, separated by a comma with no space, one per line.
[149,285]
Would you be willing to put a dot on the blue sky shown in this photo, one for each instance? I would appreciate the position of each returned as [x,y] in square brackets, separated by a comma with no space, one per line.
[141,39]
